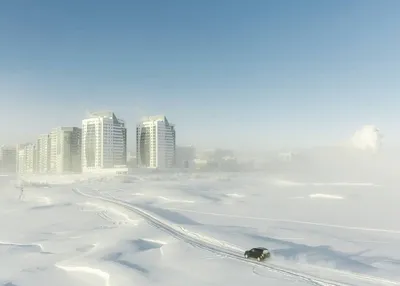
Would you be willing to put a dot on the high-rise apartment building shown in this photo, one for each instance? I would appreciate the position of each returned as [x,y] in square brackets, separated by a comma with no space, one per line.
[65,150]
[26,158]
[104,142]
[155,143]
[43,152]
[8,159]
[19,161]
[53,149]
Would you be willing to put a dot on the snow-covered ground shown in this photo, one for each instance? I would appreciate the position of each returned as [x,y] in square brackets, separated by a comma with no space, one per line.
[192,229]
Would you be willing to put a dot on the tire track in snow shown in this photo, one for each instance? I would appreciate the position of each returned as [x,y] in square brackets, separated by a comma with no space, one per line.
[226,250]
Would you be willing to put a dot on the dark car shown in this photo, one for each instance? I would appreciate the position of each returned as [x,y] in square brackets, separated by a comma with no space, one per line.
[259,253]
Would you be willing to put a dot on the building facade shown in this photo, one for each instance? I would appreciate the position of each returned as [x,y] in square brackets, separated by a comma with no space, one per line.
[53,149]
[104,142]
[65,150]
[43,153]
[26,158]
[155,143]
[8,159]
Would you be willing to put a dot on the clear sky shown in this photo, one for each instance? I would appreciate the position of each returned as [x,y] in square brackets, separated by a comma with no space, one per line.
[228,73]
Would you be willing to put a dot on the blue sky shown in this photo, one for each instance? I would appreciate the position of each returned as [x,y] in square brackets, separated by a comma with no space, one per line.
[234,73]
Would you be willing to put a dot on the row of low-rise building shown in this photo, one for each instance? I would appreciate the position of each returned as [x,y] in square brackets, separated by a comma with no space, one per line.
[99,144]
[8,155]
[56,152]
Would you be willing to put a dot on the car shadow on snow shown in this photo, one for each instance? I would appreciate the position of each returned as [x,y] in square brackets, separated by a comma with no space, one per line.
[322,254]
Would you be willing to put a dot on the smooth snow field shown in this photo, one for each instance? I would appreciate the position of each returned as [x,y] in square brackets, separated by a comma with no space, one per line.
[192,229]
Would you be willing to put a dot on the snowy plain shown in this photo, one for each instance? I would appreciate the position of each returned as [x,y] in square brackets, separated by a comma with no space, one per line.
[192,229]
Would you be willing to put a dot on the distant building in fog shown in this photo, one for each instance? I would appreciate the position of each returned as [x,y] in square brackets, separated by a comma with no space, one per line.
[26,158]
[131,160]
[285,157]
[43,148]
[217,159]
[155,143]
[8,159]
[65,150]
[185,156]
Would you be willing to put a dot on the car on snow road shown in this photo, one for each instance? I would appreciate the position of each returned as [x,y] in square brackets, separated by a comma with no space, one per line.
[259,253]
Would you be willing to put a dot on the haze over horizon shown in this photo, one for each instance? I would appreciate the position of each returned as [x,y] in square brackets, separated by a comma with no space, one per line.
[231,74]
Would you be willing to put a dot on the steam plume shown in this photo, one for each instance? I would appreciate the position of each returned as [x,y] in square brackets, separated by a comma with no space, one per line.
[367,138]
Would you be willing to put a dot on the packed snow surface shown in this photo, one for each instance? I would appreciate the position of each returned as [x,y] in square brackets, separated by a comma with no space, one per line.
[192,229]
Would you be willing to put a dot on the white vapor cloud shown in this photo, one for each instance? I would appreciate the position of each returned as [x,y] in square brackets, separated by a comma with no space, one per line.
[368,137]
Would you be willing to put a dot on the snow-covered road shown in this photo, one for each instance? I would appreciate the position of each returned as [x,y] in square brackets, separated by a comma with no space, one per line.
[235,252]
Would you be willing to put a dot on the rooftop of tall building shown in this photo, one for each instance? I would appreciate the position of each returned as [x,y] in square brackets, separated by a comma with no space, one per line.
[155,118]
[105,114]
